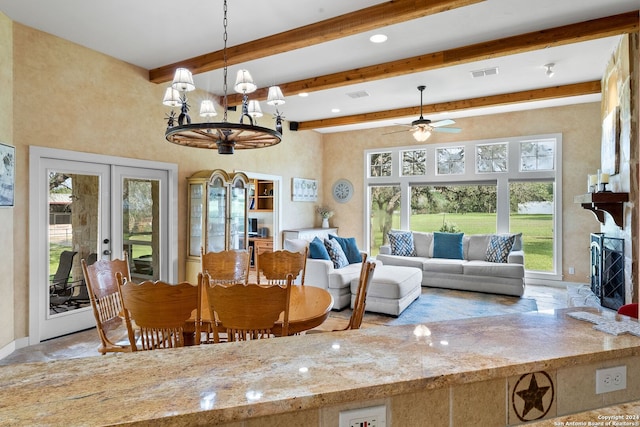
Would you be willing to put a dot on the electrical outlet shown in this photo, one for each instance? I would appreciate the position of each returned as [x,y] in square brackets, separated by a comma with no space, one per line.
[572,270]
[611,379]
[374,416]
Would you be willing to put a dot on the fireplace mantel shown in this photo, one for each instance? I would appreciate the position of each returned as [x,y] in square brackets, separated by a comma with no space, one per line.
[604,201]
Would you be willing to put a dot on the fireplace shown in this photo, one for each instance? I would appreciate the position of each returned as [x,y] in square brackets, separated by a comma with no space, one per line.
[607,270]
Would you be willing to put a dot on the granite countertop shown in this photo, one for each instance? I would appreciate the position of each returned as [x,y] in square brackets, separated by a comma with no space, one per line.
[232,381]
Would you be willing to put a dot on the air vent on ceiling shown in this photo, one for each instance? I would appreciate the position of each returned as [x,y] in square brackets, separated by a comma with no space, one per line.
[358,94]
[485,72]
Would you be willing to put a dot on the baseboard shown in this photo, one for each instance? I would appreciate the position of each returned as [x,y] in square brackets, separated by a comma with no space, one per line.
[13,346]
[551,283]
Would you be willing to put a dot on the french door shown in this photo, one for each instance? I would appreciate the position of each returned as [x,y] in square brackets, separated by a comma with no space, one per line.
[93,207]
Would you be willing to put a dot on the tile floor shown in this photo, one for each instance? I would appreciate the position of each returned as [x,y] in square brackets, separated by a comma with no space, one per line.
[85,343]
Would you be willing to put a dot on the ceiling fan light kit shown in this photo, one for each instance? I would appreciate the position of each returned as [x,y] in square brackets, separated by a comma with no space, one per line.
[422,128]
[224,136]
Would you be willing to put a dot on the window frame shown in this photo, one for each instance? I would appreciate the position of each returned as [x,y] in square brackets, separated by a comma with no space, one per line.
[471,176]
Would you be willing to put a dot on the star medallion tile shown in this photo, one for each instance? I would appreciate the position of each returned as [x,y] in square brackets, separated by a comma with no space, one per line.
[532,397]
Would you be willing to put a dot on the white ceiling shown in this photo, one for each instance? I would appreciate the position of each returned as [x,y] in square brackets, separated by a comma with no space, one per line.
[154,33]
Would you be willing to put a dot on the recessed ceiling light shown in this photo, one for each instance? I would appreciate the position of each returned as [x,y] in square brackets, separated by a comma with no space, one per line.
[303,94]
[335,110]
[378,38]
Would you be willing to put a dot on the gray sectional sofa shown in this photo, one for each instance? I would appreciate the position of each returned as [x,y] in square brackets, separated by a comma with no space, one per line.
[472,273]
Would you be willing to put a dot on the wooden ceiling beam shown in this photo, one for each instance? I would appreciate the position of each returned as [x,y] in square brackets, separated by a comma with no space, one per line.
[586,88]
[573,33]
[371,18]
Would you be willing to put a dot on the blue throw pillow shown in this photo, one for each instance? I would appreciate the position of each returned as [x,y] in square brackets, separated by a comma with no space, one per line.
[317,249]
[401,243]
[447,245]
[499,248]
[349,247]
[336,253]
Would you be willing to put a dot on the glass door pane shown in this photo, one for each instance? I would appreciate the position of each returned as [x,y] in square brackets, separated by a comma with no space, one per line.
[140,231]
[74,212]
[238,218]
[195,209]
[216,211]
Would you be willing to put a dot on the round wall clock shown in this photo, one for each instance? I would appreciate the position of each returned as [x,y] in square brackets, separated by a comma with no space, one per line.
[342,191]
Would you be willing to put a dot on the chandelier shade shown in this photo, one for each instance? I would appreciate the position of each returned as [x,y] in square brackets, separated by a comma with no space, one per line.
[244,82]
[183,80]
[275,96]
[207,109]
[171,97]
[224,136]
[254,109]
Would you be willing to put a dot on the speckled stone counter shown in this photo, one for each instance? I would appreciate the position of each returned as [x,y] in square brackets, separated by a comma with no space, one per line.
[502,370]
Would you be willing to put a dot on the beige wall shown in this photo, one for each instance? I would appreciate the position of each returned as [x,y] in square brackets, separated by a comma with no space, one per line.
[580,129]
[6,214]
[73,98]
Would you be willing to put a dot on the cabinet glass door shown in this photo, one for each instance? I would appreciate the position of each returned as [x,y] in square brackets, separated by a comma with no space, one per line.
[238,218]
[217,206]
[195,194]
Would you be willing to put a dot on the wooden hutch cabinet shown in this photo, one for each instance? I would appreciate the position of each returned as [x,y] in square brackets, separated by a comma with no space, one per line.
[217,219]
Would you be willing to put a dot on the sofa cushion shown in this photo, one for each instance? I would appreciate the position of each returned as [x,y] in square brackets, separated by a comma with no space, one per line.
[477,247]
[493,269]
[423,244]
[341,278]
[404,261]
[443,265]
[447,245]
[317,250]
[391,282]
[499,248]
[349,247]
[401,243]
[336,253]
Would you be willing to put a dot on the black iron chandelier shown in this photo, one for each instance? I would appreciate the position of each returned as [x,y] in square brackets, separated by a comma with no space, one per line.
[223,136]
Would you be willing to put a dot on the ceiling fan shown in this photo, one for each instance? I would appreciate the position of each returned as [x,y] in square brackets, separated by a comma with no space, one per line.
[422,128]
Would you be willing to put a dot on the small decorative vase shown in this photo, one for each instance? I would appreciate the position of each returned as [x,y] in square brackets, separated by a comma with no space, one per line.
[325,222]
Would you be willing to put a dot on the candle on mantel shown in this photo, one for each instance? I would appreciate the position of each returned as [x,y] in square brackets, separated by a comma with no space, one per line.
[604,178]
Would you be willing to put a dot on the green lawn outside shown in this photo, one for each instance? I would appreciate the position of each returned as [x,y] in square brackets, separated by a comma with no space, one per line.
[537,232]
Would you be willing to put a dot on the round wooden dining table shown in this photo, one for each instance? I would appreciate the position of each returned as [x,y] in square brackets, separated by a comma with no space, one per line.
[309,307]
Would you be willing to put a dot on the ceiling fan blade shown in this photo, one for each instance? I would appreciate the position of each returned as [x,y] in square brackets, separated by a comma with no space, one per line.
[447,130]
[446,122]
[398,131]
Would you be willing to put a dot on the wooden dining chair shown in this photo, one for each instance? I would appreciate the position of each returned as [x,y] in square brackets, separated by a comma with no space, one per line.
[248,312]
[102,286]
[160,311]
[359,305]
[277,265]
[227,267]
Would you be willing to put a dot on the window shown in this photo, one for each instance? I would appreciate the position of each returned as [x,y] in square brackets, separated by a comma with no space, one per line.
[537,155]
[450,160]
[514,186]
[491,158]
[454,208]
[384,211]
[532,214]
[380,164]
[414,162]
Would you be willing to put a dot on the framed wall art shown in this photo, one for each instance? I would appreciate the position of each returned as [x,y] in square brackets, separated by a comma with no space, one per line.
[610,146]
[7,174]
[304,190]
